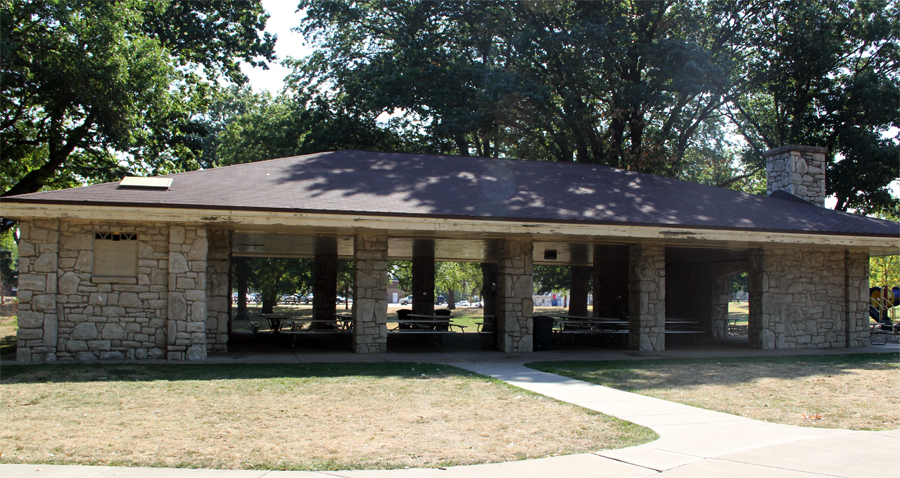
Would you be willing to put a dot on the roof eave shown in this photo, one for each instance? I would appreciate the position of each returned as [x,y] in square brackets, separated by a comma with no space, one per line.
[417,224]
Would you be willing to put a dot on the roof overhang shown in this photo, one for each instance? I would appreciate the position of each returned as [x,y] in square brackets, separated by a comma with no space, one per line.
[425,226]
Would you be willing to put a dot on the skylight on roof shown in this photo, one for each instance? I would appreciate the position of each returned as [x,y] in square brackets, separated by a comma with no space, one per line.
[145,183]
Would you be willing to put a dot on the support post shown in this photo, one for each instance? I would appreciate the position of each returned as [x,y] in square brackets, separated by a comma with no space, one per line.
[647,297]
[515,302]
[423,277]
[579,285]
[370,293]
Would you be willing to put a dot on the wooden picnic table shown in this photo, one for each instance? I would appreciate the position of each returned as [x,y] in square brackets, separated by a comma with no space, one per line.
[420,323]
[340,324]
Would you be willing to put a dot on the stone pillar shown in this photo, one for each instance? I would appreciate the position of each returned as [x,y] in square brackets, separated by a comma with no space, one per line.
[610,281]
[760,332]
[579,285]
[647,296]
[856,284]
[423,277]
[719,306]
[188,249]
[799,170]
[515,296]
[369,296]
[808,298]
[38,264]
[218,292]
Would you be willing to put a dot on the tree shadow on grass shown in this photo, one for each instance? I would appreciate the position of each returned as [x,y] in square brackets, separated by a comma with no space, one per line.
[95,372]
[679,373]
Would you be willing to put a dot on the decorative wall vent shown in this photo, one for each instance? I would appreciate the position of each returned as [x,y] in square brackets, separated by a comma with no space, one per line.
[111,236]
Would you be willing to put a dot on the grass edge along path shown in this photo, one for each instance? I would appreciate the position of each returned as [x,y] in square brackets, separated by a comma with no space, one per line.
[287,417]
[852,391]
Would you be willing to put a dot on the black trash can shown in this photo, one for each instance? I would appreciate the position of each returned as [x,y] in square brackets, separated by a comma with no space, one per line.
[543,332]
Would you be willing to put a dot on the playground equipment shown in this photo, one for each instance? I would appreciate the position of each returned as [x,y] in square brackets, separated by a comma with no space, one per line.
[881,300]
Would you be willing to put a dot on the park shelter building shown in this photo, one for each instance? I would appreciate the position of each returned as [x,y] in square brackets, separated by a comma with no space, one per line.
[141,269]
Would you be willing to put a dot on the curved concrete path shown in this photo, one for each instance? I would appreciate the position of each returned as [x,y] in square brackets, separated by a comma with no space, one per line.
[693,442]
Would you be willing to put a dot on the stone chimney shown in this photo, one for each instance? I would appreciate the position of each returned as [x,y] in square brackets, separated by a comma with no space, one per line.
[798,170]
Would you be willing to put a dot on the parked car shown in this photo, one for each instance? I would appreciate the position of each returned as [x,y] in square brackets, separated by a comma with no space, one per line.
[463,303]
[440,300]
[307,299]
[406,300]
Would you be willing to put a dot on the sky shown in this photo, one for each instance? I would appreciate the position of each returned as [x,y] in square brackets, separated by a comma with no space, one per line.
[283,17]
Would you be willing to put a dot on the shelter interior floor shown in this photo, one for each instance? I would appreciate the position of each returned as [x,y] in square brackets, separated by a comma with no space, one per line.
[243,342]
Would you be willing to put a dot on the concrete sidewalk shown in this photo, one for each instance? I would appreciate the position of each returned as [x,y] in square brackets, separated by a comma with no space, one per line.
[693,442]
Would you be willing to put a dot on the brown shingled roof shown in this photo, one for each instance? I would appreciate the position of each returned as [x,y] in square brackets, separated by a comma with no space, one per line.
[378,183]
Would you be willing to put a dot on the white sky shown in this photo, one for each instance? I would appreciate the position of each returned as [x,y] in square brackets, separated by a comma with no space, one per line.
[283,17]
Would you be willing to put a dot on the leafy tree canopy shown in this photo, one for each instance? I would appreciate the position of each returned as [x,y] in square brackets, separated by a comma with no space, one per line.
[91,90]
[648,86]
[825,73]
[246,127]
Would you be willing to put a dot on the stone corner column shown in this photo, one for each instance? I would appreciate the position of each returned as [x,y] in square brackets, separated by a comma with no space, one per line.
[36,339]
[218,290]
[370,294]
[647,297]
[187,314]
[515,327]
[856,292]
[760,331]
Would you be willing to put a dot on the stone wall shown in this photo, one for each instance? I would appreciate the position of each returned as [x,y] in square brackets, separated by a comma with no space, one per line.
[369,299]
[856,284]
[808,299]
[799,170]
[188,248]
[515,304]
[97,317]
[218,290]
[38,319]
[647,296]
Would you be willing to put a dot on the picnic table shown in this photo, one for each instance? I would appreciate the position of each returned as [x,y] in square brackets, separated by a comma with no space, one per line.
[421,323]
[308,325]
[687,328]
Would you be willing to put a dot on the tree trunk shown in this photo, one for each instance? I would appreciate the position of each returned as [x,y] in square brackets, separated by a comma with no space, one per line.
[269,302]
[451,300]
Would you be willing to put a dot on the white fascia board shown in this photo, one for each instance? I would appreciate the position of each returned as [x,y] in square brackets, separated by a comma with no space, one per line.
[244,219]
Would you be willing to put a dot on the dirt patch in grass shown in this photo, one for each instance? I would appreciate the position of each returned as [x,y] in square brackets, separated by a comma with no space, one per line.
[296,417]
[859,392]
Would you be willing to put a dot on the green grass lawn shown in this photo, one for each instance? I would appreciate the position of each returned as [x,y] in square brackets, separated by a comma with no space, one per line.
[855,391]
[287,417]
